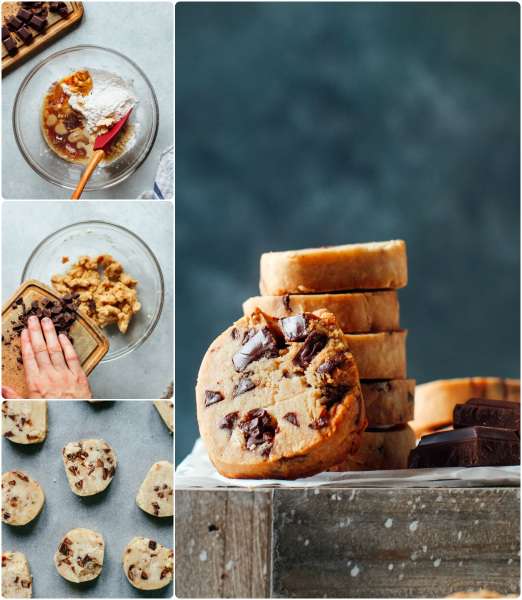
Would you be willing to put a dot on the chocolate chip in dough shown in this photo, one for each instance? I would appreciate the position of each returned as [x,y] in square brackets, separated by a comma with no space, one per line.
[245,385]
[228,421]
[261,345]
[312,345]
[212,397]
[291,417]
[330,364]
[295,329]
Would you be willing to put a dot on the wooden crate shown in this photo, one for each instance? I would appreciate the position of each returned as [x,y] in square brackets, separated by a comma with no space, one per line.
[346,542]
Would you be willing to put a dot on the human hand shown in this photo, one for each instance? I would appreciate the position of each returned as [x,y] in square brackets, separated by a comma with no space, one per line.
[52,368]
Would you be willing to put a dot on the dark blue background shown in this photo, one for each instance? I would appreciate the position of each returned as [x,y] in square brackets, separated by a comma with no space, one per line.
[314,124]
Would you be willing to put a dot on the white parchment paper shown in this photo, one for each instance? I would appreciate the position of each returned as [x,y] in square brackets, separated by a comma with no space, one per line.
[196,471]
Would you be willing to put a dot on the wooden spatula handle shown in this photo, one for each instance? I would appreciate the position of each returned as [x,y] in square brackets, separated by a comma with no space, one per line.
[95,159]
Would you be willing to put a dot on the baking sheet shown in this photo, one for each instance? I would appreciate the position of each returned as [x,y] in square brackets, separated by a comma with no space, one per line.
[196,471]
[139,437]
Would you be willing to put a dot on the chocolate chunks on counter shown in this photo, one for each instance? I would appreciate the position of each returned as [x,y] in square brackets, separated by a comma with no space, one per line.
[25,34]
[10,46]
[489,413]
[38,23]
[59,7]
[467,447]
[5,33]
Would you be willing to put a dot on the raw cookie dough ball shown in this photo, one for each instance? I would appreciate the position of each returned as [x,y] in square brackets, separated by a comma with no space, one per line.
[79,556]
[147,564]
[22,498]
[280,398]
[89,465]
[155,494]
[24,421]
[16,576]
[166,411]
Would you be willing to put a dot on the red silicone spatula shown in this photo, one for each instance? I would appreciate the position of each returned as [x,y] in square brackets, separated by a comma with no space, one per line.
[100,147]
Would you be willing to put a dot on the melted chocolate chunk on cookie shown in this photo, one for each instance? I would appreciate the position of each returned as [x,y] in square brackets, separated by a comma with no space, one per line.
[259,428]
[320,422]
[291,417]
[329,365]
[312,345]
[286,303]
[333,394]
[245,385]
[295,329]
[212,397]
[228,421]
[260,345]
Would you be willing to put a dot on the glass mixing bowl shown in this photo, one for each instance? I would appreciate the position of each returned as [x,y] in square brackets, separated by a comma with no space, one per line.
[98,237]
[28,105]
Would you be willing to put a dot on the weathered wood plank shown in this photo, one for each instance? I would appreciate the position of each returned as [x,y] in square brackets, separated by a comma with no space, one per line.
[223,543]
[395,543]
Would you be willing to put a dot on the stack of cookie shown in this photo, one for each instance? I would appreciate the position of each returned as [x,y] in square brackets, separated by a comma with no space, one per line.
[308,280]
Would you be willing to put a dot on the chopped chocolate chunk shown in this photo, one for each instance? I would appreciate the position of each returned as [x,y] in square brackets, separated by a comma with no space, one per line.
[10,46]
[212,397]
[13,23]
[332,394]
[295,329]
[261,345]
[144,575]
[312,345]
[320,422]
[330,364]
[21,476]
[228,421]
[72,121]
[38,23]
[164,572]
[152,545]
[25,34]
[245,385]
[156,508]
[291,417]
[286,302]
[8,434]
[24,14]
[259,428]
[25,583]
[5,35]
[79,484]
[212,528]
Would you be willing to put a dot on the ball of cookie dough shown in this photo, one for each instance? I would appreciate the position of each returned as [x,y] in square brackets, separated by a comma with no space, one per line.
[279,398]
[155,494]
[22,498]
[24,421]
[79,556]
[16,576]
[147,564]
[89,465]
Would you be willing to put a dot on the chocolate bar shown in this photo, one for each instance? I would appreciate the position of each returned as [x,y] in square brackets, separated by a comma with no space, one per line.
[467,447]
[5,33]
[25,34]
[490,413]
[10,46]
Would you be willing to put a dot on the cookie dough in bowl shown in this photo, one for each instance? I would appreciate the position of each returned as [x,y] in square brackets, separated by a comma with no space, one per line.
[66,98]
[117,276]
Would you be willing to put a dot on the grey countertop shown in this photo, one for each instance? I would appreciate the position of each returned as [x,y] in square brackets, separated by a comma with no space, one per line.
[139,438]
[147,370]
[143,31]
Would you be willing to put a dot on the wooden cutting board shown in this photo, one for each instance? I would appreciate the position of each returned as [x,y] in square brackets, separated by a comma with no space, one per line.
[89,341]
[56,28]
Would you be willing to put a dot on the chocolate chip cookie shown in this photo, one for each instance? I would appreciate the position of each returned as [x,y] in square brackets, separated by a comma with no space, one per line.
[279,398]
